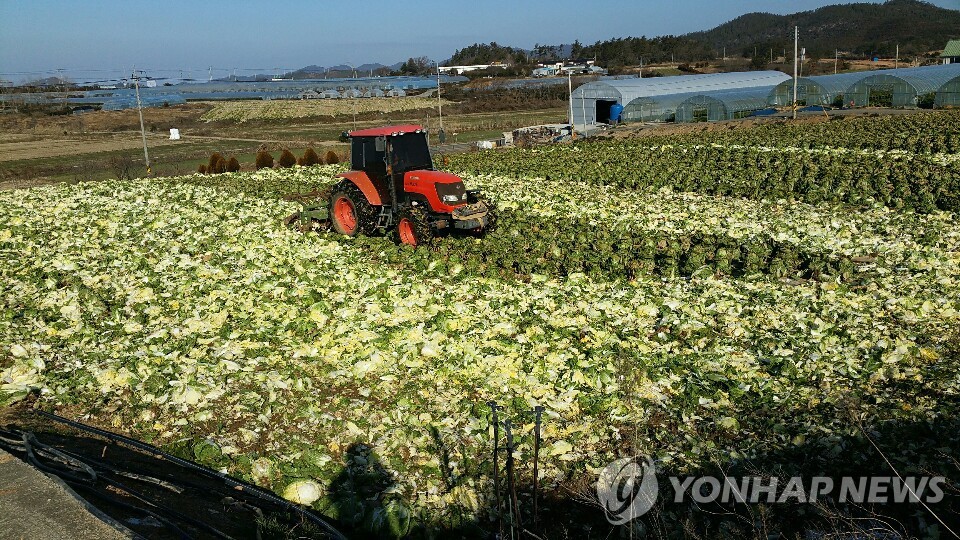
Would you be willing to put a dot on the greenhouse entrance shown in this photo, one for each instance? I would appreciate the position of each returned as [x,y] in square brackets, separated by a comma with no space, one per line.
[880,95]
[603,110]
[701,113]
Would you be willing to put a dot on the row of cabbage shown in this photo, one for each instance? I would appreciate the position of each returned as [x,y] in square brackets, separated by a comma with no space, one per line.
[913,181]
[268,183]
[919,133]
[560,228]
[189,313]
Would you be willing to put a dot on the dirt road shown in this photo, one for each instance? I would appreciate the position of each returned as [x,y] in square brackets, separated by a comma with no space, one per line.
[71,146]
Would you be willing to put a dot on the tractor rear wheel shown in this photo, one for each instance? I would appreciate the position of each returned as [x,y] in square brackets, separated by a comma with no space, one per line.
[413,228]
[350,212]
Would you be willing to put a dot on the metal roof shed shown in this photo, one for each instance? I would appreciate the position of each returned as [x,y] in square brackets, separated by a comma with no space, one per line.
[900,87]
[591,102]
[728,105]
[951,52]
[816,90]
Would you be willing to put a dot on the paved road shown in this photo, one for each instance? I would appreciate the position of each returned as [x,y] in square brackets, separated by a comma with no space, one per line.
[34,507]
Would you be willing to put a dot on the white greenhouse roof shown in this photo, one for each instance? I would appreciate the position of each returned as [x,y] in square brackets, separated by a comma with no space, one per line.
[629,89]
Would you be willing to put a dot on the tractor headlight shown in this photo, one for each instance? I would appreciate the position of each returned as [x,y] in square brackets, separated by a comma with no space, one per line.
[450,199]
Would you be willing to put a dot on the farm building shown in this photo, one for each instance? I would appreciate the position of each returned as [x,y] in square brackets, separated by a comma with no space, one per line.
[816,90]
[900,87]
[545,71]
[591,102]
[722,105]
[329,94]
[951,53]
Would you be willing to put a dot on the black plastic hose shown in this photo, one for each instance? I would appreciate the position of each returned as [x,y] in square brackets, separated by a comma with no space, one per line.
[206,471]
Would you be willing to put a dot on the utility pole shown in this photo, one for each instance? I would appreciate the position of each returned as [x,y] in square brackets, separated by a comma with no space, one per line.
[570,93]
[143,133]
[796,46]
[439,101]
[836,56]
[896,60]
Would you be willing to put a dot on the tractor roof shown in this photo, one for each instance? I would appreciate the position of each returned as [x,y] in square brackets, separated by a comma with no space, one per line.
[386,131]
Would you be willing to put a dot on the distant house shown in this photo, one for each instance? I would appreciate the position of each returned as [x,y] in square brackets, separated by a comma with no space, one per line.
[576,68]
[544,72]
[547,70]
[457,70]
[951,53]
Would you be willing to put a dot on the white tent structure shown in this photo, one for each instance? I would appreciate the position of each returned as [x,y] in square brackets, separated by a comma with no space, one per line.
[591,102]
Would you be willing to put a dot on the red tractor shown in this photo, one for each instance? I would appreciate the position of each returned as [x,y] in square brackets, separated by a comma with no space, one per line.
[392,182]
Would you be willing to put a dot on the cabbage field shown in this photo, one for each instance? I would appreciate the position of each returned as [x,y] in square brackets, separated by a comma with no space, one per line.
[713,304]
[254,110]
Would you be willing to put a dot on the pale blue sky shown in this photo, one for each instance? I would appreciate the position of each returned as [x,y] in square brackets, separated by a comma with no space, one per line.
[40,36]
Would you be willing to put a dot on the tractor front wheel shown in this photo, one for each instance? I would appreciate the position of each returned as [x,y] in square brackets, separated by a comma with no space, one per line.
[350,212]
[413,228]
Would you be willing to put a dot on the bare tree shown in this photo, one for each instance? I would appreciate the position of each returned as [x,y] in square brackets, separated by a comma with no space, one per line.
[121,166]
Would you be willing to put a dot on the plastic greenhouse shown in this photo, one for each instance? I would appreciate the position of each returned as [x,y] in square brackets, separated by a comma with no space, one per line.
[728,105]
[591,102]
[120,103]
[653,108]
[900,87]
[816,90]
[949,94]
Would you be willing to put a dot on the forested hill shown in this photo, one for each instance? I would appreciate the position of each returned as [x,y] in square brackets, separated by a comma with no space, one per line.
[859,29]
[862,29]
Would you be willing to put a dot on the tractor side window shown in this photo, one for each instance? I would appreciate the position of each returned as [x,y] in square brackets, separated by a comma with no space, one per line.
[365,157]
[356,154]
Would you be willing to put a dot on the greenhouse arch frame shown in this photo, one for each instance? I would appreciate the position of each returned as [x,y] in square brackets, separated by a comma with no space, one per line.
[948,96]
[900,87]
[718,106]
[816,90]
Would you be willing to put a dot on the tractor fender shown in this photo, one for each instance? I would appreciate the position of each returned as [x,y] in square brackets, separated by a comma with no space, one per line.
[366,186]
